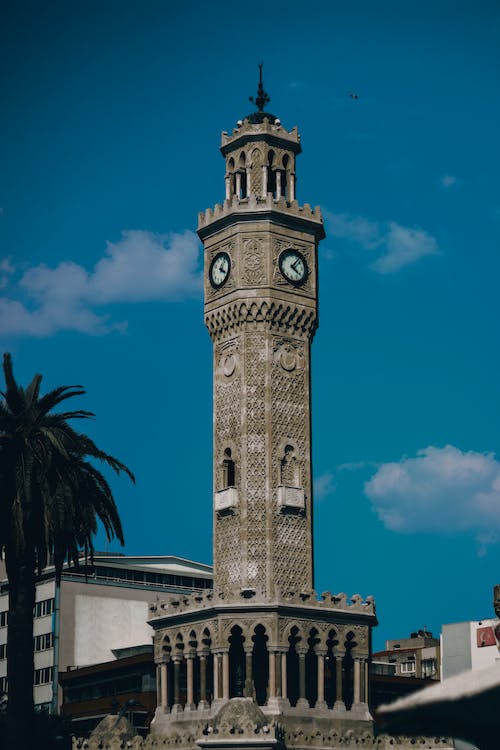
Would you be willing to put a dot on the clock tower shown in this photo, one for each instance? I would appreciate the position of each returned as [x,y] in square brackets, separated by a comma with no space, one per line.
[261,654]
[261,312]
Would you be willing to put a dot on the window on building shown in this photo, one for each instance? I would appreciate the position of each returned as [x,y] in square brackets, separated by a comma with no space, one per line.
[43,642]
[44,676]
[3,651]
[43,608]
[3,684]
[4,616]
[407,667]
[429,667]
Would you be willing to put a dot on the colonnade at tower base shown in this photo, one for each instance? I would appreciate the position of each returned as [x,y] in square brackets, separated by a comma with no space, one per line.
[242,671]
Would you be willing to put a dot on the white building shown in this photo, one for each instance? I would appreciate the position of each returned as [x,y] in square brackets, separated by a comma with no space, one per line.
[94,611]
[469,645]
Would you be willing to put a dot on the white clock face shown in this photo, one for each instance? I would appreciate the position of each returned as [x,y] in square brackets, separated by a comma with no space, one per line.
[293,266]
[219,269]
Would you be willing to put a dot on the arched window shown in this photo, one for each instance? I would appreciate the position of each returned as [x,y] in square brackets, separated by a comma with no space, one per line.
[289,469]
[271,174]
[228,470]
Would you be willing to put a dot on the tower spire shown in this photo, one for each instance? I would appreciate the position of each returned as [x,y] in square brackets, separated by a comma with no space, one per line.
[262,97]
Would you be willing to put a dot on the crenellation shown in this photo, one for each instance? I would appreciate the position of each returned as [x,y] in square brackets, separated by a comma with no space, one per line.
[245,128]
[309,599]
[261,205]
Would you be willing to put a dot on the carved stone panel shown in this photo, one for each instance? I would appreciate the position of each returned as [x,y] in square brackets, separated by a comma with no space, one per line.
[253,271]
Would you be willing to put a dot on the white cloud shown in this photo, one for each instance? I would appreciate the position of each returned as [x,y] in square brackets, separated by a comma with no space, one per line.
[441,490]
[448,180]
[395,245]
[404,246]
[142,266]
[324,485]
[365,232]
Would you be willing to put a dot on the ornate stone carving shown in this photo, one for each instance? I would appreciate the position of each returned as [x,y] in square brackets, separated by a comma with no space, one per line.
[288,353]
[226,361]
[297,320]
[256,171]
[252,263]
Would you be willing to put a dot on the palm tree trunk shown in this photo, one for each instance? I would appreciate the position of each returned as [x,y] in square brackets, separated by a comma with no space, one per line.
[20,662]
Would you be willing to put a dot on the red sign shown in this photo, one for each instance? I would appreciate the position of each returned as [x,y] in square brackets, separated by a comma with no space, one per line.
[485,637]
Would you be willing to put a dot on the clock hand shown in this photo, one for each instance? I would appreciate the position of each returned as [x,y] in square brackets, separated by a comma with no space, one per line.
[294,264]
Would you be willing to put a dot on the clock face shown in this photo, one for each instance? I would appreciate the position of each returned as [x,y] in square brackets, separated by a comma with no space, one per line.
[219,269]
[293,266]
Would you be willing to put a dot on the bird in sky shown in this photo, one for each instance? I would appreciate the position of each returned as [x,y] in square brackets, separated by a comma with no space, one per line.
[353,95]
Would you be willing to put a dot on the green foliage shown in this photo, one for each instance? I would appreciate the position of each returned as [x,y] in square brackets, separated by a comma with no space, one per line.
[51,494]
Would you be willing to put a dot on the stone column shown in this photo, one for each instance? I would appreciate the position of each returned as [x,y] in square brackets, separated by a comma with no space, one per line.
[177,692]
[357,681]
[203,680]
[238,184]
[339,705]
[264,180]
[279,689]
[292,186]
[248,673]
[320,655]
[278,183]
[284,687]
[164,685]
[225,675]
[190,682]
[249,181]
[272,675]
[302,677]
[366,685]
[217,691]
[228,187]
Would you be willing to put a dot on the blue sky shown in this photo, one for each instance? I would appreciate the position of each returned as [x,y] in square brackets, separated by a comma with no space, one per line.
[110,129]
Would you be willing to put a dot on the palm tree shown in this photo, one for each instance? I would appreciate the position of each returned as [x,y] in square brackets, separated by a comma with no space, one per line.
[51,498]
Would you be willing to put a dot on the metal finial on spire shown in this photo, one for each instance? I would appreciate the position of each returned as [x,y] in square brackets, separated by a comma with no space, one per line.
[262,97]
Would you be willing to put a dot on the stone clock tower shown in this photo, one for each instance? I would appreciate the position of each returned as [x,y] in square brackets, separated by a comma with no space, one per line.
[261,313]
[261,656]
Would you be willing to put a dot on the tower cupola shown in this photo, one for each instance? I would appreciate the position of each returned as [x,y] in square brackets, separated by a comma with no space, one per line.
[260,154]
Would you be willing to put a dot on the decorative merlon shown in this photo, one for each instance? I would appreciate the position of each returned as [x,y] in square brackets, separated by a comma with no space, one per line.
[174,604]
[246,128]
[253,204]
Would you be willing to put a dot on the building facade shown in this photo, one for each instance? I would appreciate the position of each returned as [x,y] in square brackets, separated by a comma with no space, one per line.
[418,656]
[93,611]
[262,638]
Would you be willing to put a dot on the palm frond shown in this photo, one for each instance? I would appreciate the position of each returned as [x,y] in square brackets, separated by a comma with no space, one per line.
[51,399]
[13,395]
